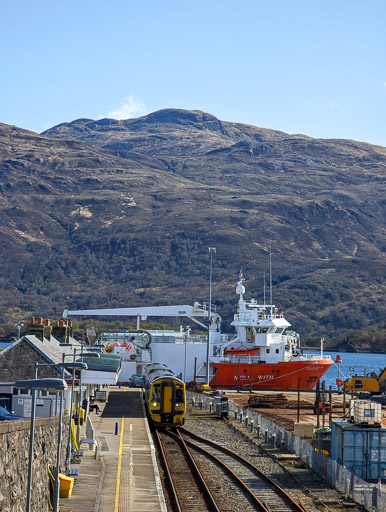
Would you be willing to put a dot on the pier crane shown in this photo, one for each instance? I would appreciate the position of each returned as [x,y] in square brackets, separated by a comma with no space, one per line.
[142,313]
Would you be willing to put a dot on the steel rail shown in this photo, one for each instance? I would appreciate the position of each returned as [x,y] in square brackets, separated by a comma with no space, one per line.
[168,474]
[207,495]
[242,484]
[280,490]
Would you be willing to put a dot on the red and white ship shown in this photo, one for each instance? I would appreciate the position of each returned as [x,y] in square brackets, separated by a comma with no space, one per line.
[264,354]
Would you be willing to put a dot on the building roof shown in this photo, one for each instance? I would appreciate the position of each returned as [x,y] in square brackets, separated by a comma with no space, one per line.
[104,363]
[103,370]
[51,350]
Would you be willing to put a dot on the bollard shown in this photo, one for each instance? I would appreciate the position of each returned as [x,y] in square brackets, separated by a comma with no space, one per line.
[210,406]
[193,402]
[235,414]
[273,440]
[252,426]
[282,446]
[201,404]
[246,421]
[258,431]
[116,428]
[266,435]
[241,416]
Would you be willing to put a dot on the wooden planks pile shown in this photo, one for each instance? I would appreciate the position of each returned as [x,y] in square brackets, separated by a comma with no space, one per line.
[268,401]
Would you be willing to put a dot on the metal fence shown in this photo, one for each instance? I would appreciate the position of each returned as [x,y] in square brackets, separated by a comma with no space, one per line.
[337,476]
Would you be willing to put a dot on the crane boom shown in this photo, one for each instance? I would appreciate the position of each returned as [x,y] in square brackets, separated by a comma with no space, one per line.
[197,310]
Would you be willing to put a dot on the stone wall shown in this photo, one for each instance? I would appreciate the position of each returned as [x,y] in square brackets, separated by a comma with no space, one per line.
[14,450]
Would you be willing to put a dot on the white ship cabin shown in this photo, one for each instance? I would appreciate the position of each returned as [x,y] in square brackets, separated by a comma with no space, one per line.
[260,333]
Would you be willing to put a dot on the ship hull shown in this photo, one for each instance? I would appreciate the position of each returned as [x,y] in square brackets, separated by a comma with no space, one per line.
[280,376]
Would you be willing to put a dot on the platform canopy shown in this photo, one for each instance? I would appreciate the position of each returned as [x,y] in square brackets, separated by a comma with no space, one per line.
[99,377]
[102,370]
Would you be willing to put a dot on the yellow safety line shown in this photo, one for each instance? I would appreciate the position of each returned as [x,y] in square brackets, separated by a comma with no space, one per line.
[119,467]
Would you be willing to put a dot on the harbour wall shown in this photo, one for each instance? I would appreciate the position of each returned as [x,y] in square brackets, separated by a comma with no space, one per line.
[14,456]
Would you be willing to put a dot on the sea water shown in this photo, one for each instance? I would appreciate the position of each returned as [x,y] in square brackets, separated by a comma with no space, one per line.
[360,363]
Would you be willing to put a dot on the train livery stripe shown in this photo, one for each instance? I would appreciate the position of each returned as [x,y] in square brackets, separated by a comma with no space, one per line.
[119,466]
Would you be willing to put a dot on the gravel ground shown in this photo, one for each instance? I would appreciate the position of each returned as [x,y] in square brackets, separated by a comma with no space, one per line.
[237,438]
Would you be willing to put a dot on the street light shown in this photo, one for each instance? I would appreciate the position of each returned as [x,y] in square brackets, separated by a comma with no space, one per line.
[63,366]
[88,354]
[80,366]
[186,334]
[212,250]
[19,325]
[36,385]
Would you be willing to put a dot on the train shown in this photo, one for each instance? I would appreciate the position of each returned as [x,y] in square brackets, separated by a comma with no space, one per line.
[165,396]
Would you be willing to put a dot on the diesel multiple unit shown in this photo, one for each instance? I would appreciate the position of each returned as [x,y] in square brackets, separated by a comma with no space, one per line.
[164,395]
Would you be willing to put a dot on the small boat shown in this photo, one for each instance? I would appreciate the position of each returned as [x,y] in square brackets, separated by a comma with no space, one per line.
[242,351]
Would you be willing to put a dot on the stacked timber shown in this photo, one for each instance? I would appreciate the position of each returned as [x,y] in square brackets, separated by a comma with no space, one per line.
[268,401]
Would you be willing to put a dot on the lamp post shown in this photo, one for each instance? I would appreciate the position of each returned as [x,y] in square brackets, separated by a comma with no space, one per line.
[82,354]
[36,385]
[212,250]
[186,334]
[63,366]
[19,325]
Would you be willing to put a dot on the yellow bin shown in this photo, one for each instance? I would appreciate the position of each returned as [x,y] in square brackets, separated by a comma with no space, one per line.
[66,485]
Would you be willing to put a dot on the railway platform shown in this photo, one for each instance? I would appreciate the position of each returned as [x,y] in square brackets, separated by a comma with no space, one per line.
[124,477]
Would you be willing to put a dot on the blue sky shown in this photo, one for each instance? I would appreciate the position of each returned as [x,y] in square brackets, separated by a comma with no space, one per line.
[315,67]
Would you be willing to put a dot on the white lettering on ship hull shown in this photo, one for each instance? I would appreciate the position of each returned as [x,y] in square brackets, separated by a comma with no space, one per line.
[258,377]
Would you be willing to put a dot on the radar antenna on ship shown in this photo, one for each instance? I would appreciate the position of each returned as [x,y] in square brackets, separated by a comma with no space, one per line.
[240,289]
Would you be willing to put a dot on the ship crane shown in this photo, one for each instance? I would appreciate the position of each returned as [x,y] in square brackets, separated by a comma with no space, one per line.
[191,312]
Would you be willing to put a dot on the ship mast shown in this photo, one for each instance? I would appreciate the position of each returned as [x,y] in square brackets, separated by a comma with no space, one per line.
[270,275]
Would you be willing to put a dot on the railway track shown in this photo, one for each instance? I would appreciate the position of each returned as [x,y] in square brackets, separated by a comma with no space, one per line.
[188,489]
[251,488]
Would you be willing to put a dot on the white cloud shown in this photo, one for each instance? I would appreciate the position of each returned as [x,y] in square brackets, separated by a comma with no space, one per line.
[132,107]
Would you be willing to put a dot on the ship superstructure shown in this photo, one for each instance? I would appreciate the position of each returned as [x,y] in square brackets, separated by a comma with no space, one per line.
[261,332]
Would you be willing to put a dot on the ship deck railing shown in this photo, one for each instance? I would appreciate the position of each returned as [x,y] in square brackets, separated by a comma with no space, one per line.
[314,357]
[249,359]
[244,359]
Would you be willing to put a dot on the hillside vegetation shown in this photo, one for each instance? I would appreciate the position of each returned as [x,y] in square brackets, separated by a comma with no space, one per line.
[121,213]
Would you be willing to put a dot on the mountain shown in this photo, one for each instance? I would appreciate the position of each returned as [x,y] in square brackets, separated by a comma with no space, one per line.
[113,213]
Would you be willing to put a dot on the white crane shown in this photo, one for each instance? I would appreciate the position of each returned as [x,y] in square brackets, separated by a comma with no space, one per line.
[191,312]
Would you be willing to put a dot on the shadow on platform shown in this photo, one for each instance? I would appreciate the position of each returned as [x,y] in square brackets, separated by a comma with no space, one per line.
[121,403]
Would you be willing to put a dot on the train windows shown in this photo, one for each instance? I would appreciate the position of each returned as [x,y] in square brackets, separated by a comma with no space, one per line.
[156,395]
[179,394]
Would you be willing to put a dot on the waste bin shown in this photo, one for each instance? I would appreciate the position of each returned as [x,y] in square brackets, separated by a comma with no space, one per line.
[66,485]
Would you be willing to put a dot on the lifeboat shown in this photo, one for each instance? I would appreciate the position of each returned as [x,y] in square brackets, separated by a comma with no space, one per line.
[242,351]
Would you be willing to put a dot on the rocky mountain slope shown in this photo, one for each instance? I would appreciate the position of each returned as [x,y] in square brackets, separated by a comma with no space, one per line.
[107,213]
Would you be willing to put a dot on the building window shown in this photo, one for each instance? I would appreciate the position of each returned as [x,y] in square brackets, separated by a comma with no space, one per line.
[277,351]
[267,351]
[23,391]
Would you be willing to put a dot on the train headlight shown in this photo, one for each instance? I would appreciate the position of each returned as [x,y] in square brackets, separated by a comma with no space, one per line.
[178,405]
[155,404]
